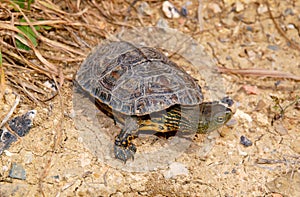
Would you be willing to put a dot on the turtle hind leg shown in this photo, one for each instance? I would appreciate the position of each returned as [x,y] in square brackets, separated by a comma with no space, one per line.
[124,149]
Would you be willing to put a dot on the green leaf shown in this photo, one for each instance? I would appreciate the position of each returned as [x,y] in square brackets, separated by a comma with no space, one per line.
[20,3]
[46,27]
[29,2]
[30,34]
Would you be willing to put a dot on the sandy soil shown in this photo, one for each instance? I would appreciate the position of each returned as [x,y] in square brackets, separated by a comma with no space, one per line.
[238,35]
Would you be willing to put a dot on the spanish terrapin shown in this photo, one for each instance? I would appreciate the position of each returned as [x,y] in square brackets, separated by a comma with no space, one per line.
[142,90]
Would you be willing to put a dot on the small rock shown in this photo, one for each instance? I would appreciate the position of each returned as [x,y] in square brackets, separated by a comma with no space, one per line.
[249,28]
[72,113]
[28,157]
[239,6]
[184,11]
[242,115]
[288,11]
[170,10]
[214,7]
[50,85]
[260,105]
[4,168]
[245,141]
[262,8]
[249,14]
[56,178]
[280,128]
[251,89]
[176,168]
[232,122]
[291,26]
[229,21]
[273,47]
[17,172]
[145,9]
[227,100]
[7,153]
[277,83]
[251,54]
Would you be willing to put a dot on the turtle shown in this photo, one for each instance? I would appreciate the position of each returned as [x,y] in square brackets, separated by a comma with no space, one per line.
[143,90]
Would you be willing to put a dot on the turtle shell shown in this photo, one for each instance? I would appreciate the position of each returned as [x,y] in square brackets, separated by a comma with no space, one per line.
[136,80]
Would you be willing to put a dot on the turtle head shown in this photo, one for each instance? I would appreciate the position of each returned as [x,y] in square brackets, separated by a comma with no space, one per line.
[212,116]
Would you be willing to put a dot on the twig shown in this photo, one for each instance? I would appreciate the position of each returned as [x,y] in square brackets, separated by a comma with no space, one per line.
[274,161]
[7,117]
[200,17]
[259,72]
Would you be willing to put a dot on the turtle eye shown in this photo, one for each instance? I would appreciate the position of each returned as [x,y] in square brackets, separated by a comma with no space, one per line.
[220,119]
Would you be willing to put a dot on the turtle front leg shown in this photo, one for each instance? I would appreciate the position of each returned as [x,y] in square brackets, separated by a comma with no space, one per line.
[123,148]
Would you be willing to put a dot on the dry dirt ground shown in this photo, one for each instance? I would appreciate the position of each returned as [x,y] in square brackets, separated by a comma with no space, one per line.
[238,35]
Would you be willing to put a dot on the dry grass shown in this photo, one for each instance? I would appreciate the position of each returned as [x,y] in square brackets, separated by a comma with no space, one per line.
[39,43]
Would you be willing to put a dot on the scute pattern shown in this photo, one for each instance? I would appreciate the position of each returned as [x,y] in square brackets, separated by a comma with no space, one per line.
[136,80]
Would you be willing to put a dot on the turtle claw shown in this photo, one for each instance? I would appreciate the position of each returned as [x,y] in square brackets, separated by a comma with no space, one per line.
[124,153]
[124,149]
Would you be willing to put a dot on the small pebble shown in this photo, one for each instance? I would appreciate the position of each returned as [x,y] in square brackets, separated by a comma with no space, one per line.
[239,6]
[245,141]
[260,105]
[215,8]
[288,11]
[170,10]
[249,28]
[184,11]
[176,168]
[7,153]
[251,89]
[248,15]
[232,122]
[243,116]
[280,128]
[4,168]
[227,100]
[17,172]
[262,8]
[51,85]
[291,26]
[28,157]
[273,47]
[145,9]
